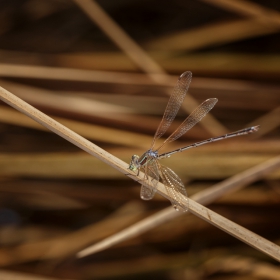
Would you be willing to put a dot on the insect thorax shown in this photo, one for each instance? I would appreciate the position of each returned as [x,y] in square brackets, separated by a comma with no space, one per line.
[136,161]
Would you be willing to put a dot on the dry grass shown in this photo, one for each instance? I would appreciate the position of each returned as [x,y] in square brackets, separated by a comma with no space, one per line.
[80,62]
[237,231]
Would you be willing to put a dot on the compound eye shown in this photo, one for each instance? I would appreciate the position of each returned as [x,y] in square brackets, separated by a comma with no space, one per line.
[135,158]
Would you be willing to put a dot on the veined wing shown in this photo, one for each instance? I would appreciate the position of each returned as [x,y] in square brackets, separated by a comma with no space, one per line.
[173,104]
[175,188]
[192,119]
[152,173]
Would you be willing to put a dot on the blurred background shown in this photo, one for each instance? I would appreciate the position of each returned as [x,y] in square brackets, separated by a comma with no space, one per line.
[105,69]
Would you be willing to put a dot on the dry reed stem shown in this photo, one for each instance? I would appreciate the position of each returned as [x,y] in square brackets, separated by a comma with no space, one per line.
[81,165]
[7,275]
[240,64]
[271,119]
[82,75]
[95,132]
[249,267]
[142,59]
[226,225]
[227,32]
[121,39]
[248,8]
[74,101]
[68,244]
[204,197]
[68,102]
[83,105]
[210,63]
[268,122]
[260,21]
[71,74]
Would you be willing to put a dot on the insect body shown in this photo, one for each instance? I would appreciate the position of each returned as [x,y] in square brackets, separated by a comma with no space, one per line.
[149,161]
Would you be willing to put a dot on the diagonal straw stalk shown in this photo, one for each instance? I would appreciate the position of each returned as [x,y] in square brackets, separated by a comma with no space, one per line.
[204,197]
[199,210]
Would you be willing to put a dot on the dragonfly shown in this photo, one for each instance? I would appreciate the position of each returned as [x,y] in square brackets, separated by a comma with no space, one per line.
[149,164]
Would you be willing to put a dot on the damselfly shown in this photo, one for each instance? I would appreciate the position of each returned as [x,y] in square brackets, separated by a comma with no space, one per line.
[149,161]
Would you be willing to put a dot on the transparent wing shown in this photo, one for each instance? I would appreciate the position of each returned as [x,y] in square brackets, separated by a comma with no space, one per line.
[192,119]
[175,188]
[151,171]
[146,193]
[173,104]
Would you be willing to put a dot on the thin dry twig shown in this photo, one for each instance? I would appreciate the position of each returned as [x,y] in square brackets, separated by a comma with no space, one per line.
[81,165]
[259,21]
[226,225]
[269,122]
[6,275]
[227,32]
[121,39]
[204,197]
[71,74]
[250,9]
[67,244]
[82,75]
[242,265]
